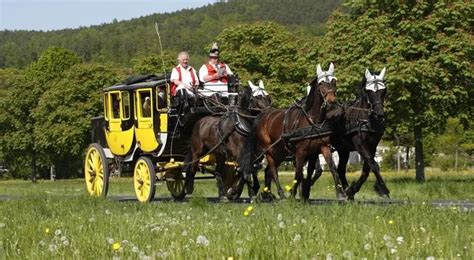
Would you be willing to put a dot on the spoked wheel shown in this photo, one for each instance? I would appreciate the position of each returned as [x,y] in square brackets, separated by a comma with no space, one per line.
[231,181]
[96,171]
[144,179]
[175,183]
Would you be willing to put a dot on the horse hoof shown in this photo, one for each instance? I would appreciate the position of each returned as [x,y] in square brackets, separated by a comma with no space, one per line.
[341,197]
[223,199]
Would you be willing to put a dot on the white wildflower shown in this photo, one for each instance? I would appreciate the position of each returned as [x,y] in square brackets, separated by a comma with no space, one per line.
[239,251]
[58,232]
[66,242]
[303,221]
[297,237]
[422,229]
[135,249]
[393,251]
[184,233]
[63,238]
[367,247]
[188,217]
[107,212]
[91,219]
[52,248]
[280,217]
[329,256]
[124,242]
[386,238]
[347,254]
[202,240]
[430,258]
[2,225]
[110,241]
[42,243]
[400,240]
[369,235]
[281,224]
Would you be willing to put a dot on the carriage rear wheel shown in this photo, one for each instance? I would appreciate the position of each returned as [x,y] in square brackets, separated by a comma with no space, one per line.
[96,171]
[144,179]
[175,183]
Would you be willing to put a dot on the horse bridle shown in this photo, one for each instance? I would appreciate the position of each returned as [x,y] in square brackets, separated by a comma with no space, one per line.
[252,98]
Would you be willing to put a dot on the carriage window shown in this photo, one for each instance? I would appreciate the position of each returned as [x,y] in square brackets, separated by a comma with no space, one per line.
[146,104]
[115,98]
[161,97]
[106,106]
[126,105]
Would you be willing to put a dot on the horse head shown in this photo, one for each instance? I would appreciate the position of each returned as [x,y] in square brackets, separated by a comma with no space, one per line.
[259,98]
[324,84]
[374,90]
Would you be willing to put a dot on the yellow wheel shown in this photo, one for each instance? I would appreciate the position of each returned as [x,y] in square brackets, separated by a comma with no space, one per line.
[175,183]
[144,179]
[96,171]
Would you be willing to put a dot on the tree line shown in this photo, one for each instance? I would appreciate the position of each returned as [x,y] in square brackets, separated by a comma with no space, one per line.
[427,47]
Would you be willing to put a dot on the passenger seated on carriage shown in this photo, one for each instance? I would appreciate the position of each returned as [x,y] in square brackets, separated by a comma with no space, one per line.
[183,79]
[147,107]
[215,75]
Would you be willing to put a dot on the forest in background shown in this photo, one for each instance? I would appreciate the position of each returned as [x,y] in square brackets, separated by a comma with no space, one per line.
[50,82]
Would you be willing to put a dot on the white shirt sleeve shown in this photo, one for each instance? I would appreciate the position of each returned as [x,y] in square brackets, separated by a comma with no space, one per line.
[227,69]
[196,77]
[203,72]
[174,74]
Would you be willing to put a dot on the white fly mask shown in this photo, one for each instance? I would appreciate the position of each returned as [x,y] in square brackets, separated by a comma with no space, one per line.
[374,82]
[258,90]
[325,76]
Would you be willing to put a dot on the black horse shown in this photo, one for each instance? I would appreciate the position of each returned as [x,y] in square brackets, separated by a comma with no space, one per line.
[359,129]
[299,130]
[224,136]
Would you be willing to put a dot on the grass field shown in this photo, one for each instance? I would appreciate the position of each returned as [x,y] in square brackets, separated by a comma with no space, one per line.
[53,220]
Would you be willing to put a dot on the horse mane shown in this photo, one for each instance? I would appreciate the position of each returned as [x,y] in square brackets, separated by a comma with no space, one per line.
[354,109]
[245,98]
[310,98]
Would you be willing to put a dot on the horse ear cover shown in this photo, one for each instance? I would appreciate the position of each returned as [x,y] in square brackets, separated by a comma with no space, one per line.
[367,74]
[319,70]
[260,84]
[382,73]
[331,69]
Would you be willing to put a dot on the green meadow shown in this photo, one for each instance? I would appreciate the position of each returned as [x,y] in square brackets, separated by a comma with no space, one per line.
[57,220]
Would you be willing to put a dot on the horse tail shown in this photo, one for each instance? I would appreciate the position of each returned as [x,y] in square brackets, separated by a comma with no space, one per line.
[247,158]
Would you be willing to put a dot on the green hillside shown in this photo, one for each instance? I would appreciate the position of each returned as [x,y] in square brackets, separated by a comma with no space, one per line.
[190,29]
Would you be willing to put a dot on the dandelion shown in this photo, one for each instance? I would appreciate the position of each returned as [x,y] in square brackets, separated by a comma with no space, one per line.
[430,258]
[279,217]
[377,217]
[2,225]
[110,241]
[124,242]
[391,222]
[281,224]
[393,251]
[246,213]
[47,231]
[188,217]
[107,212]
[91,220]
[116,246]
[400,240]
[135,249]
[297,238]
[347,254]
[63,238]
[250,208]
[58,232]
[266,189]
[42,243]
[386,238]
[367,247]
[52,248]
[329,256]
[230,258]
[66,242]
[184,233]
[422,229]
[239,251]
[303,221]
[287,187]
[295,181]
[202,240]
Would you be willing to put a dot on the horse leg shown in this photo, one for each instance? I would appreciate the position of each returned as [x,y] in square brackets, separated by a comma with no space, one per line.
[300,160]
[340,195]
[273,172]
[308,181]
[355,187]
[380,187]
[190,172]
[267,191]
[220,169]
[341,168]
[315,166]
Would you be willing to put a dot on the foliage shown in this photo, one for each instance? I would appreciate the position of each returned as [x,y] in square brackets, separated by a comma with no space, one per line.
[268,52]
[62,128]
[188,30]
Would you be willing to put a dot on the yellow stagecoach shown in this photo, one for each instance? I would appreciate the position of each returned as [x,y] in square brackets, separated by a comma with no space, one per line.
[144,131]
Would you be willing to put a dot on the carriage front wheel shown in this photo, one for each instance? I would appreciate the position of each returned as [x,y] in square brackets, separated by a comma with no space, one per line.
[96,171]
[144,179]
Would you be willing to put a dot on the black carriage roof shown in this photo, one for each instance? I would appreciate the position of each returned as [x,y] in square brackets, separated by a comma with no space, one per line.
[138,82]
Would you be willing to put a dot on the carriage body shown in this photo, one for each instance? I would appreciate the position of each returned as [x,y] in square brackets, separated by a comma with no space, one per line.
[145,130]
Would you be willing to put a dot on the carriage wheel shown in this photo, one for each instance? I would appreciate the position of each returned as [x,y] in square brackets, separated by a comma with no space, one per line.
[175,183]
[231,181]
[144,179]
[96,171]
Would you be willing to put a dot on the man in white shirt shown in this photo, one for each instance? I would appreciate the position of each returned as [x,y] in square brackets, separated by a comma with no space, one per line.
[214,72]
[183,77]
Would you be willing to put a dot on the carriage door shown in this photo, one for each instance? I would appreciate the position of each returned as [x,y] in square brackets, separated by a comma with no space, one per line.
[114,112]
[119,134]
[144,134]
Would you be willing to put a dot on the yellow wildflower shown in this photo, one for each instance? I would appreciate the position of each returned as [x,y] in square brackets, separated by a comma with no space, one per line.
[246,213]
[295,181]
[265,189]
[47,231]
[230,258]
[116,246]
[391,222]
[249,209]
[288,188]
